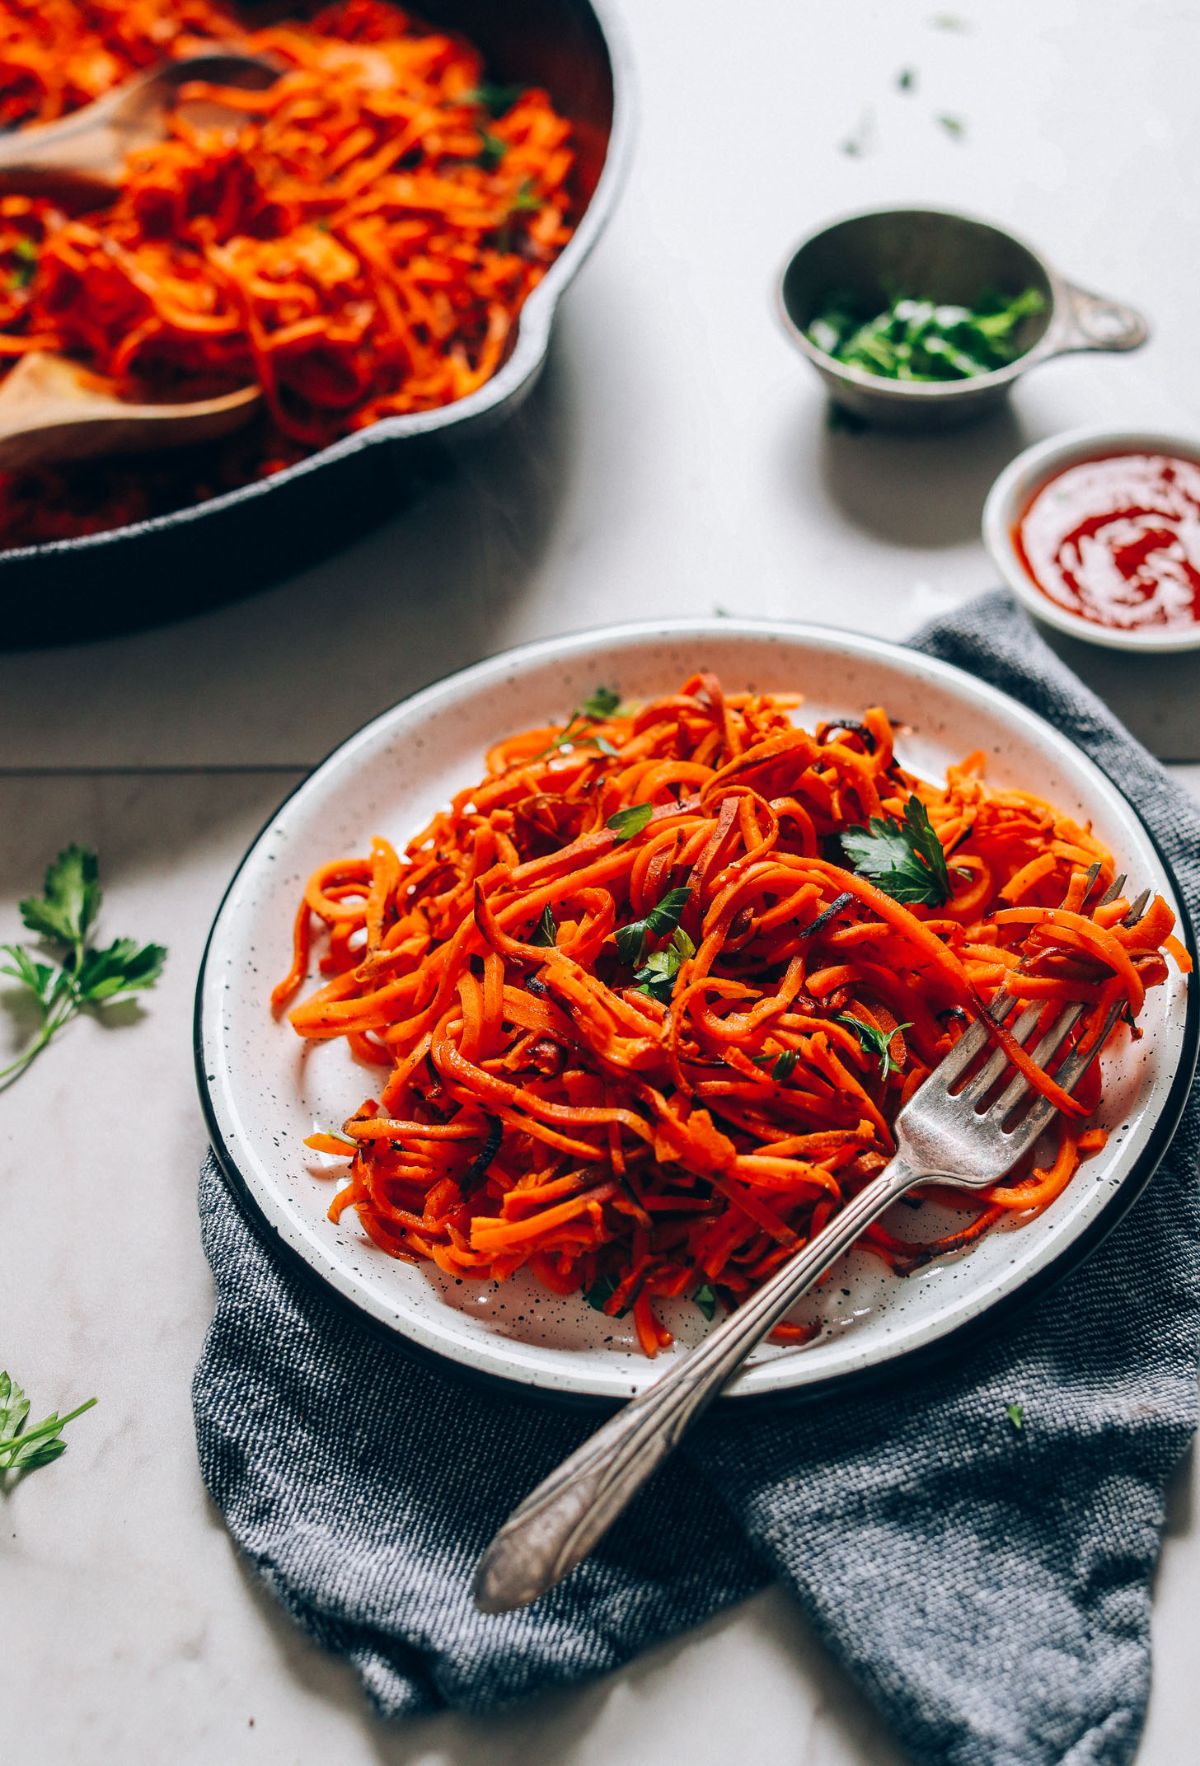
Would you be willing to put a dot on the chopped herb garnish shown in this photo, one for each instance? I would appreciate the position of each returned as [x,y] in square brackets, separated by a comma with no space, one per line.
[493,96]
[631,939]
[658,973]
[948,21]
[905,859]
[600,1292]
[24,1449]
[875,1041]
[492,150]
[906,79]
[81,976]
[599,704]
[25,268]
[954,126]
[862,139]
[627,823]
[785,1066]
[527,200]
[351,1146]
[920,339]
[1016,1415]
[546,930]
[706,1300]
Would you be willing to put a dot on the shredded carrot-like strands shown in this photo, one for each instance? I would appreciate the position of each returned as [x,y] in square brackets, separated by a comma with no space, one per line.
[358,240]
[620,986]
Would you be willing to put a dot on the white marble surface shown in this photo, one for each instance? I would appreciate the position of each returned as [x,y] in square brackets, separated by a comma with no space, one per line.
[674,459]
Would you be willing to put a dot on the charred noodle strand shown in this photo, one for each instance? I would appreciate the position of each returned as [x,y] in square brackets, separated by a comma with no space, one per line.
[637,1124]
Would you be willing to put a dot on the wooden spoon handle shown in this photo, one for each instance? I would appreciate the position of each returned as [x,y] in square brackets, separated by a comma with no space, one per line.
[81,150]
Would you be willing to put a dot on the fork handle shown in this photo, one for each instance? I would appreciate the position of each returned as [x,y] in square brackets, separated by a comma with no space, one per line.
[557,1526]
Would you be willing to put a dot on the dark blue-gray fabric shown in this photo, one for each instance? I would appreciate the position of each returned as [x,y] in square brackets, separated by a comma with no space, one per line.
[989,1588]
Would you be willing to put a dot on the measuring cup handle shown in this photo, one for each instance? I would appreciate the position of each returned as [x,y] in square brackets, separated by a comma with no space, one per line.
[1090,321]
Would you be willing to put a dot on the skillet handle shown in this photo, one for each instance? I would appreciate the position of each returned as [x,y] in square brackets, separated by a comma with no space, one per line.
[1090,321]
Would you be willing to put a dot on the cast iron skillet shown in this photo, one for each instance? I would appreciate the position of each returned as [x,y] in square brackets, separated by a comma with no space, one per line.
[242,539]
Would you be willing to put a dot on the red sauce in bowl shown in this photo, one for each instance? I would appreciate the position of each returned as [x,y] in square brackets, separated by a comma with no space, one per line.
[1116,540]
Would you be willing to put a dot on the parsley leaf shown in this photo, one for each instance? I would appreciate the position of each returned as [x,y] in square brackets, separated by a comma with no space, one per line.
[914,338]
[25,268]
[601,1291]
[600,704]
[1016,1415]
[785,1066]
[527,200]
[658,974]
[493,97]
[706,1300]
[68,908]
[82,977]
[546,930]
[24,1449]
[627,823]
[874,1041]
[631,939]
[491,151]
[905,859]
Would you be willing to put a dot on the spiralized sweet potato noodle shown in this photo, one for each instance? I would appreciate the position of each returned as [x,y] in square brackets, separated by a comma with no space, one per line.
[551,1096]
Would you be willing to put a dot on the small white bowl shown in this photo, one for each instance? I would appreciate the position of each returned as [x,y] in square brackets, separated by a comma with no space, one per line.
[1012,494]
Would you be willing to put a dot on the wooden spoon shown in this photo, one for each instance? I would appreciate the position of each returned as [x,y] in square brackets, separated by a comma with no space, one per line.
[80,158]
[52,410]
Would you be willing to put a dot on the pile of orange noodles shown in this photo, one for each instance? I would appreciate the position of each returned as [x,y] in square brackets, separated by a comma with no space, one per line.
[647,1114]
[359,242]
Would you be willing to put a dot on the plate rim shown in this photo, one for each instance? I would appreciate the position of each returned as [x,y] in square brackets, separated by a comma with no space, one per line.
[889,1370]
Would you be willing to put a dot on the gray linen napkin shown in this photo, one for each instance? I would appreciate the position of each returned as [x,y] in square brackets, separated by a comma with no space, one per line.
[989,1588]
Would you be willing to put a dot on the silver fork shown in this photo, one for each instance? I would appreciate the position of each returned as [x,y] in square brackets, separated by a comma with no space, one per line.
[956,1137]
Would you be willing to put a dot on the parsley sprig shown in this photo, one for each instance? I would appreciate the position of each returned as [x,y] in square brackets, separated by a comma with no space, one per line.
[602,1291]
[905,859]
[80,977]
[658,974]
[546,930]
[492,149]
[875,1041]
[631,939]
[24,1449]
[494,97]
[599,705]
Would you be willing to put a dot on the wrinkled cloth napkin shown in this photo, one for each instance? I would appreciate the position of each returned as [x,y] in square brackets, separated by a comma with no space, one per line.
[988,1588]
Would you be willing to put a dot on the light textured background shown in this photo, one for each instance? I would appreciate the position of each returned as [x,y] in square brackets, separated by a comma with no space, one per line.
[675,459]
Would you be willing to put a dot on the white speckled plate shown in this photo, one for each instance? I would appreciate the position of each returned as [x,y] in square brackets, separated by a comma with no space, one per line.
[264,1091]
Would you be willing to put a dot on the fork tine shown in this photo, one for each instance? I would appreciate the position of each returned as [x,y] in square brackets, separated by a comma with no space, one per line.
[1049,1046]
[997,1061]
[1137,910]
[1069,1075]
[973,1040]
[1111,893]
[1080,1059]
